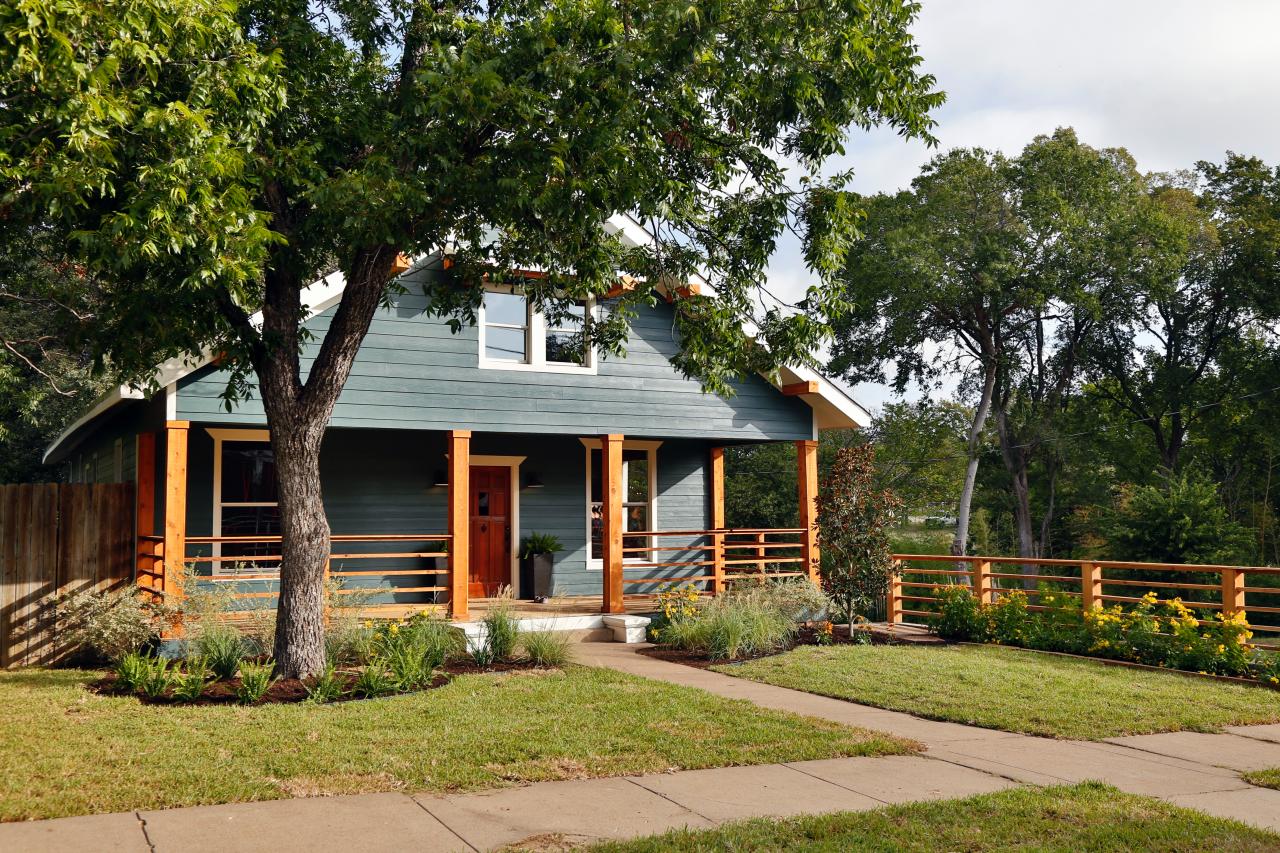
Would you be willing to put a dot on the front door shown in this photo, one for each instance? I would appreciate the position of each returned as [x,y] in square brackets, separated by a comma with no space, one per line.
[490,530]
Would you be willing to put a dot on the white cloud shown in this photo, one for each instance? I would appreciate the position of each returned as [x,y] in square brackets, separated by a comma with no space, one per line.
[1174,81]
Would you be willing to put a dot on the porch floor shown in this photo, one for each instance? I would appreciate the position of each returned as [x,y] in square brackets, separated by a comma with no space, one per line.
[561,606]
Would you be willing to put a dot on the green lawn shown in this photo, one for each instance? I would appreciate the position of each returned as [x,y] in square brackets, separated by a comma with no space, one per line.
[1269,778]
[1015,690]
[66,751]
[1089,817]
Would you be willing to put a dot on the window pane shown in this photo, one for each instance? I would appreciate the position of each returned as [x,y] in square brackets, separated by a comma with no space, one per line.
[506,308]
[504,344]
[248,473]
[251,521]
[597,531]
[636,518]
[566,347]
[637,464]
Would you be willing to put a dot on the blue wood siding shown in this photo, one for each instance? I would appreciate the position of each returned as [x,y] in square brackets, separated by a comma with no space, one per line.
[413,372]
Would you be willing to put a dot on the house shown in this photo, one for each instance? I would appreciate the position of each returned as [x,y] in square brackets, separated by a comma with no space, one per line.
[446,449]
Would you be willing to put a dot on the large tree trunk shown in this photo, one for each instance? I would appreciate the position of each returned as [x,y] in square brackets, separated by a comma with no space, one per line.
[960,543]
[297,415]
[1016,463]
[300,644]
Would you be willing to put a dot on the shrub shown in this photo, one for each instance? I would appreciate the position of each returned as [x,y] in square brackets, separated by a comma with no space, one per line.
[854,518]
[347,637]
[374,680]
[546,648]
[960,616]
[255,681]
[501,631]
[413,650]
[732,625]
[190,684]
[157,677]
[539,543]
[325,687]
[221,647]
[112,624]
[130,670]
[1010,619]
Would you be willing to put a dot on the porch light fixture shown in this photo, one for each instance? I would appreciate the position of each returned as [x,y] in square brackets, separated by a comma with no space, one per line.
[441,478]
[532,481]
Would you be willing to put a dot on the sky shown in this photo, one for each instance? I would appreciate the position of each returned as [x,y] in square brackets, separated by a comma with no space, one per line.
[1173,81]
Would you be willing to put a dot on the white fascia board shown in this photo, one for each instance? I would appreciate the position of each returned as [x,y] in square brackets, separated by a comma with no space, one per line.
[104,403]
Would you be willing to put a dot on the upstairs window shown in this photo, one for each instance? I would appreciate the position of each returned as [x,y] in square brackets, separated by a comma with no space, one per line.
[514,336]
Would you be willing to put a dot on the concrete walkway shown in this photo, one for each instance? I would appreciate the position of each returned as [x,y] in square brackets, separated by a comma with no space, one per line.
[1197,770]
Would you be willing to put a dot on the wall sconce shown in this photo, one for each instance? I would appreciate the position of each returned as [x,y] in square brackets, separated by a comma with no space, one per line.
[532,481]
[441,478]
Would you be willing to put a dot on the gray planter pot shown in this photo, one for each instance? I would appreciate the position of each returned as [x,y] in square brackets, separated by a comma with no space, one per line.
[535,576]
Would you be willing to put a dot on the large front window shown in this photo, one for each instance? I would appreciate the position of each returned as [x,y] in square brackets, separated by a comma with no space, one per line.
[245,501]
[638,479]
[514,335]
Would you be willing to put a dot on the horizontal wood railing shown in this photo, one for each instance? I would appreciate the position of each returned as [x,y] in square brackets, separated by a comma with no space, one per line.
[1095,582]
[247,568]
[716,557]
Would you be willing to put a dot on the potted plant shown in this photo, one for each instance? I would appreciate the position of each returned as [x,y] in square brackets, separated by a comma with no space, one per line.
[535,564]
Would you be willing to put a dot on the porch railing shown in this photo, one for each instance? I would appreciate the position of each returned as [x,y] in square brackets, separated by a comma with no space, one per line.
[1207,589]
[249,580]
[716,557]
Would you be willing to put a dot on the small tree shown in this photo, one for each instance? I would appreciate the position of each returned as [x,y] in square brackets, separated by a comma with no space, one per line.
[853,524]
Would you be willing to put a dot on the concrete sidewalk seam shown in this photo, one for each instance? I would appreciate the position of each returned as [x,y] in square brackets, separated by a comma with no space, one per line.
[142,827]
[691,811]
[837,784]
[437,819]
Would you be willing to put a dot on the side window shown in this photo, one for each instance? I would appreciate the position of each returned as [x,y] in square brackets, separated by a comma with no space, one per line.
[514,336]
[637,500]
[506,327]
[246,502]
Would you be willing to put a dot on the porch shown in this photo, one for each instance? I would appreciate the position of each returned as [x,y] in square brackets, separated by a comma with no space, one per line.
[625,549]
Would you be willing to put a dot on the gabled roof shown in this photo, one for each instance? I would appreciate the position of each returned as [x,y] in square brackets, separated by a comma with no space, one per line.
[833,407]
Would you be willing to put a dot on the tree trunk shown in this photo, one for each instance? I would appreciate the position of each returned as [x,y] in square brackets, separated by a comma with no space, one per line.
[300,643]
[1015,461]
[961,541]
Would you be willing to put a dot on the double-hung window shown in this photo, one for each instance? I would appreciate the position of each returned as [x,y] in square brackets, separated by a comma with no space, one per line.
[515,336]
[244,497]
[639,484]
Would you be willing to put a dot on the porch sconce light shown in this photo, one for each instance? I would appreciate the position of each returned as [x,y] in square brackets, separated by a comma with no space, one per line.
[441,478]
[532,481]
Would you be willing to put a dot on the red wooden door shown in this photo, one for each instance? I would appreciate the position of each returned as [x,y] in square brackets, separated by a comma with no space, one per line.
[490,530]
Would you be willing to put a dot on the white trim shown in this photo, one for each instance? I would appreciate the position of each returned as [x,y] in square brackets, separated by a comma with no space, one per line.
[596,564]
[512,463]
[171,401]
[105,402]
[219,435]
[535,342]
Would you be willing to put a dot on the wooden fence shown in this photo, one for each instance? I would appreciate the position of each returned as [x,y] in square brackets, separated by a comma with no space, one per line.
[1251,590]
[57,539]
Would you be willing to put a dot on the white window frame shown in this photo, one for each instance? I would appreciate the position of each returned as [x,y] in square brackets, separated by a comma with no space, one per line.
[596,564]
[219,436]
[535,342]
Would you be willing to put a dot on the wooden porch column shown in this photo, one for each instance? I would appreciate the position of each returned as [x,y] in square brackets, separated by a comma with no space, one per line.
[145,507]
[459,521]
[807,478]
[717,520]
[611,515]
[175,509]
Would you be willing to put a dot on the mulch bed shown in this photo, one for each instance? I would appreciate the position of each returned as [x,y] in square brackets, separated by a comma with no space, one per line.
[287,690]
[840,637]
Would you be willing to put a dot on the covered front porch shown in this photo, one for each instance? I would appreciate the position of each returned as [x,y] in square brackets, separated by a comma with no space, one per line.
[433,520]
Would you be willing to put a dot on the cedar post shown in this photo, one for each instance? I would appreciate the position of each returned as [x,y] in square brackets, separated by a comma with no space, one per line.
[717,520]
[807,478]
[459,521]
[175,509]
[982,580]
[1232,592]
[892,600]
[611,514]
[145,508]
[1090,586]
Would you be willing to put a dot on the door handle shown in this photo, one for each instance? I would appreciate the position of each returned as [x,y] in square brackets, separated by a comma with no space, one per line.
[484,528]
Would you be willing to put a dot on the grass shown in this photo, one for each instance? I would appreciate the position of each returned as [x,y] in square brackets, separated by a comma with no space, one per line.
[66,751]
[1016,690]
[1268,778]
[1088,816]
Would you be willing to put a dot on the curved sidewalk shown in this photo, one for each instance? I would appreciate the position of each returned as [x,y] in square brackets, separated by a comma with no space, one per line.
[1189,769]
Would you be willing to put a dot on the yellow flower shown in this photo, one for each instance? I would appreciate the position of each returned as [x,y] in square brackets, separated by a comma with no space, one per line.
[395,629]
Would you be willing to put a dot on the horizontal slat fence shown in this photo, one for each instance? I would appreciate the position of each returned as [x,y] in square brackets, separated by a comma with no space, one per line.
[1207,589]
[716,558]
[57,539]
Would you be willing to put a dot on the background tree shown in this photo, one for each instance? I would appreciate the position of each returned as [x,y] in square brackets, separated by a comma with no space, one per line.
[921,453]
[854,518]
[215,160]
